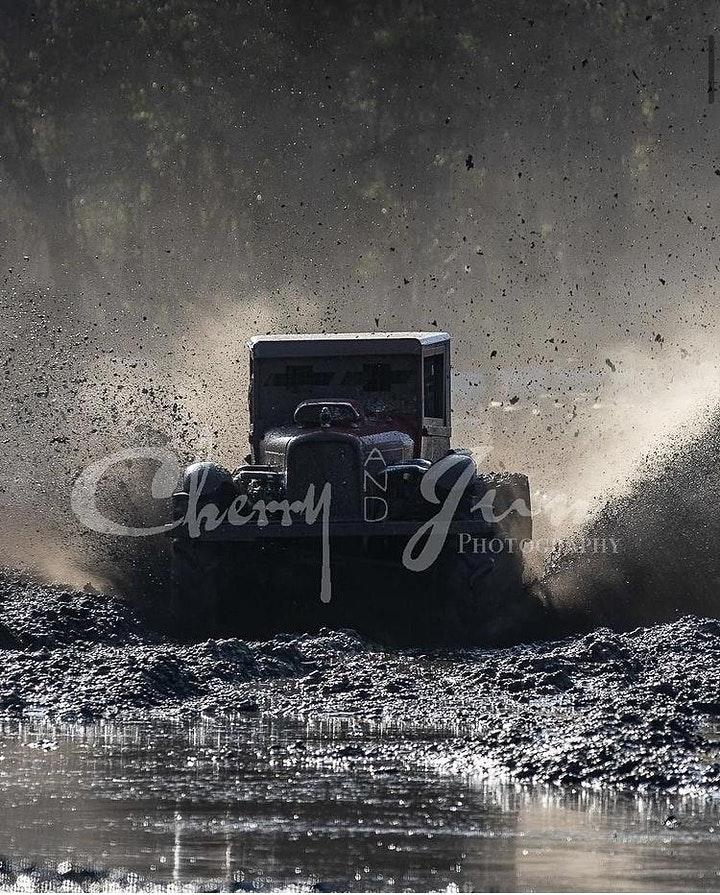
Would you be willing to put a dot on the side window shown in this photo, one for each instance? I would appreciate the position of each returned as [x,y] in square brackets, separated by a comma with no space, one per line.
[434,386]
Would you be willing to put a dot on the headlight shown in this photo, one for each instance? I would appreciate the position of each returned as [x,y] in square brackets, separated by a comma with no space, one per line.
[259,483]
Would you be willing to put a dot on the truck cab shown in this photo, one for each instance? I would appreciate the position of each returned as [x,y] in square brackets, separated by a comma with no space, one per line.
[393,381]
[341,409]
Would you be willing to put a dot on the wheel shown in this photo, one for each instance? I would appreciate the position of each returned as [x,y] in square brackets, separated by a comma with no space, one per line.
[224,589]
[486,601]
[195,578]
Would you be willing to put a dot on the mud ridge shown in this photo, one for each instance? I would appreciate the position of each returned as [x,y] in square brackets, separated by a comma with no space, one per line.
[637,709]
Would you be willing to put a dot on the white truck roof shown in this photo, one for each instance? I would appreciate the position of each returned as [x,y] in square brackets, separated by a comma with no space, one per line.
[315,344]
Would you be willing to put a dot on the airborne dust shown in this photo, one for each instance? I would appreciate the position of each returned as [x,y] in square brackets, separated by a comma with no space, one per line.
[538,180]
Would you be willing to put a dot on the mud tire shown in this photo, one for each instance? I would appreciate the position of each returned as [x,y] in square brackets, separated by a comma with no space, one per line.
[194,578]
[222,589]
[488,604]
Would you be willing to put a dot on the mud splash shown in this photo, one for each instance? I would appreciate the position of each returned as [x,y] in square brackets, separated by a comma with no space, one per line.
[667,528]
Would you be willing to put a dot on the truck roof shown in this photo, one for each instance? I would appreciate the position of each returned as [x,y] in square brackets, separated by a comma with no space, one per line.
[324,344]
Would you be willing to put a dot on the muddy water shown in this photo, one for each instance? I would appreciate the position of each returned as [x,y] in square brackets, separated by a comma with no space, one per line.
[197,803]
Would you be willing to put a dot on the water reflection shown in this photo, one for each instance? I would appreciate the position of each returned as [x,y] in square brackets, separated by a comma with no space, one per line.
[180,802]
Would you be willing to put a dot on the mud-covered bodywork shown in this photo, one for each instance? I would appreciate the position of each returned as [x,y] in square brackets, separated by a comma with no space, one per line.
[350,468]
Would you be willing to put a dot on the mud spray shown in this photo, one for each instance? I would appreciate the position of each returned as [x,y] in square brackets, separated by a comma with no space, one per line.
[644,473]
[638,444]
[414,171]
[667,533]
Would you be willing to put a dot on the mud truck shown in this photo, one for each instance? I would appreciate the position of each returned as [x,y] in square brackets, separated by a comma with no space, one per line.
[352,509]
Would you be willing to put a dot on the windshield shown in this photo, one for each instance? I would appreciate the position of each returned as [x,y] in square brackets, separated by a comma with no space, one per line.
[379,385]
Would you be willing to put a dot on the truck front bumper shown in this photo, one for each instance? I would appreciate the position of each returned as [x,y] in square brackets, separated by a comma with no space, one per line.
[274,531]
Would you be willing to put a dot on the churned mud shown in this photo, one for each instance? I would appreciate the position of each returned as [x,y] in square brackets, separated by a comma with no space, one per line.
[637,709]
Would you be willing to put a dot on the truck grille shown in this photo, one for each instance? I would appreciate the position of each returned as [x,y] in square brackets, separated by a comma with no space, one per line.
[319,462]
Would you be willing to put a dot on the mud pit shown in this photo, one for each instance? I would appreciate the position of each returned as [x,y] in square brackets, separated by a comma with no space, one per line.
[632,710]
